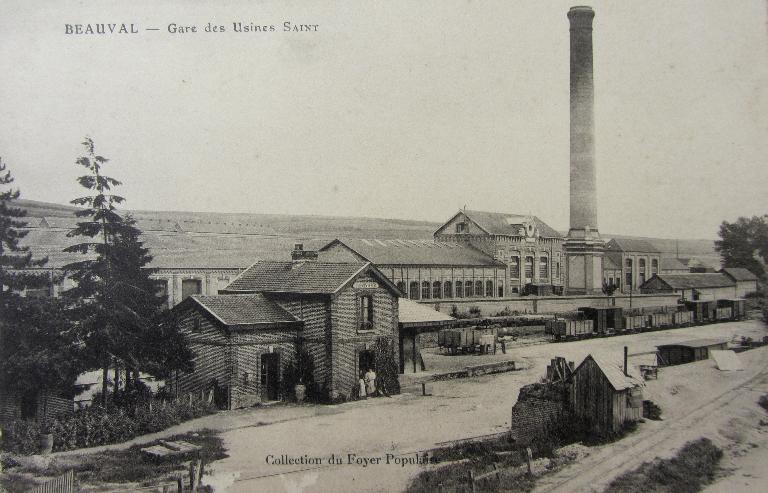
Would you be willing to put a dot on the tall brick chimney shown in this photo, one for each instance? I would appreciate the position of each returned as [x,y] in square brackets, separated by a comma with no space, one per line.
[583,244]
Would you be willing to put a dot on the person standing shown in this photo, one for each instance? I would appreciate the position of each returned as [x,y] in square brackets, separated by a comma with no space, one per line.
[370,382]
[361,390]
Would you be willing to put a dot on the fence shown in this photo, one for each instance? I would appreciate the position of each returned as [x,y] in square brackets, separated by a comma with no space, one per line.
[63,484]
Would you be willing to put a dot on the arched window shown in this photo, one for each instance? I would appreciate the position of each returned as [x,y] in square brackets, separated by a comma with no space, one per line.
[529,267]
[437,291]
[478,288]
[469,289]
[514,267]
[628,273]
[641,268]
[501,290]
[459,289]
[401,286]
[557,270]
[654,266]
[543,268]
[448,289]
[489,288]
[413,290]
[425,290]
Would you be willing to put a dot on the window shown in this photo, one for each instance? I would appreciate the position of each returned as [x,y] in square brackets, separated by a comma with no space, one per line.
[628,274]
[196,325]
[543,268]
[161,288]
[221,283]
[557,270]
[425,290]
[501,290]
[654,266]
[190,287]
[461,228]
[489,288]
[366,312]
[448,289]
[401,287]
[469,290]
[514,267]
[529,267]
[642,271]
[413,290]
[459,289]
[437,290]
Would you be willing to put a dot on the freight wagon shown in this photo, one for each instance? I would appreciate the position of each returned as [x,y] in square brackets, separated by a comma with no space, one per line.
[683,318]
[569,329]
[703,310]
[607,320]
[635,322]
[661,320]
[468,339]
[737,306]
[724,313]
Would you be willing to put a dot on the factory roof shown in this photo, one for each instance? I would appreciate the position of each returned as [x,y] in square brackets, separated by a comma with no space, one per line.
[612,261]
[739,274]
[250,309]
[673,264]
[688,281]
[631,245]
[499,223]
[306,277]
[415,252]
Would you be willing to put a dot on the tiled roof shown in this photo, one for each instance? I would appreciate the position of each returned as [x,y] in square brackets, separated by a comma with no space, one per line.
[688,281]
[418,252]
[498,223]
[612,261]
[696,343]
[294,277]
[631,245]
[250,309]
[739,274]
[673,264]
[411,312]
[614,372]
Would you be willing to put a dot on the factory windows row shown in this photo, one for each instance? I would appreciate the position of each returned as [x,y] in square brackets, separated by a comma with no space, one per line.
[514,268]
[427,290]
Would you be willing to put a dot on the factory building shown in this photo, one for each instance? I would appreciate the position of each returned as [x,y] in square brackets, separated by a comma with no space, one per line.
[629,263]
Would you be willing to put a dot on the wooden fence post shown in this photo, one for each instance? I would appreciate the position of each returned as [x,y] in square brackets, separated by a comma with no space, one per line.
[528,457]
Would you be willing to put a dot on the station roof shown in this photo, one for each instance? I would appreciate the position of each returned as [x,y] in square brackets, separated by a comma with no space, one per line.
[416,252]
[412,314]
[693,281]
[250,309]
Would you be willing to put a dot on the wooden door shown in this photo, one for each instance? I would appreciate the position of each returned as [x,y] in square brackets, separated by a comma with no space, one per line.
[270,376]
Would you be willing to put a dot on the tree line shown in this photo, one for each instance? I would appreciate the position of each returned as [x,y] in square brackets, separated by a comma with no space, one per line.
[113,317]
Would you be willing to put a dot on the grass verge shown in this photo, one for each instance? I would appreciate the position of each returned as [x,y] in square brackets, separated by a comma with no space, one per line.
[694,466]
[116,466]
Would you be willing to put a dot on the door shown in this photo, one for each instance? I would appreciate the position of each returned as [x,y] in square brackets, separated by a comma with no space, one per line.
[270,376]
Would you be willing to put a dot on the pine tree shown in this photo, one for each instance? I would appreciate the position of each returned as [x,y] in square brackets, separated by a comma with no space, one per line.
[38,350]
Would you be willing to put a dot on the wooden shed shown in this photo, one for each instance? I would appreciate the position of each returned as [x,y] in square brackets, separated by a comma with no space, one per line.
[689,351]
[606,397]
[419,325]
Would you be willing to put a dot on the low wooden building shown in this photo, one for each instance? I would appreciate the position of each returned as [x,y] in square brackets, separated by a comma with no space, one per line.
[695,286]
[689,351]
[419,325]
[746,281]
[33,405]
[605,396]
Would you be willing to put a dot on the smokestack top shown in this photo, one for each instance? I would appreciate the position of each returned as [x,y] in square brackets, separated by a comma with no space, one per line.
[581,17]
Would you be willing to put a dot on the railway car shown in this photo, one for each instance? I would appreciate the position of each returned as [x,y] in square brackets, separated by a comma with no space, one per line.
[703,310]
[682,318]
[737,306]
[607,320]
[661,320]
[635,322]
[467,338]
[569,329]
[724,313]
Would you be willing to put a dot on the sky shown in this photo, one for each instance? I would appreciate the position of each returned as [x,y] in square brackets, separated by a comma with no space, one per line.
[396,109]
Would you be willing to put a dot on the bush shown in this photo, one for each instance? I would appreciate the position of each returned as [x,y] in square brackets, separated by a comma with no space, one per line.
[475,312]
[97,425]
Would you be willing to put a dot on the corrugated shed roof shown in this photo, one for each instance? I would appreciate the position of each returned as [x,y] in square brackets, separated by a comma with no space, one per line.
[417,252]
[693,281]
[614,372]
[250,309]
[673,264]
[498,223]
[631,245]
[739,274]
[411,312]
[697,343]
[295,277]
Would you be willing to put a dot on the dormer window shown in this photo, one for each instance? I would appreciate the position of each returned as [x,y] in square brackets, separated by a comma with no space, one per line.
[461,228]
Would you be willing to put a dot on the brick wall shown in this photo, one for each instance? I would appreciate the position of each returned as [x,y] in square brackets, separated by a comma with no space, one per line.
[539,407]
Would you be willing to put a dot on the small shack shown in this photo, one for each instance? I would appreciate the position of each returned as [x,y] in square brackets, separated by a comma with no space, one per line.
[418,326]
[606,396]
[680,353]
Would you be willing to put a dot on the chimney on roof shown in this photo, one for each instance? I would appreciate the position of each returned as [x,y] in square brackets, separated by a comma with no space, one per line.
[626,357]
[301,255]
